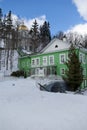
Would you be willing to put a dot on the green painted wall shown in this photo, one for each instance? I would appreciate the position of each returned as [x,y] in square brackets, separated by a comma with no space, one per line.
[25,63]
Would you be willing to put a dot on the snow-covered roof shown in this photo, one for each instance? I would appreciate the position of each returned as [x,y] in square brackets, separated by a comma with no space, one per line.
[26,52]
[22,52]
[56,45]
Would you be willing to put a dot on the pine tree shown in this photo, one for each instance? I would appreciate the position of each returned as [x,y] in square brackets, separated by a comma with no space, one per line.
[74,72]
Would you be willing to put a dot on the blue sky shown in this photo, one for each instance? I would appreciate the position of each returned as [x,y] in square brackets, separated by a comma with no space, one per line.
[62,15]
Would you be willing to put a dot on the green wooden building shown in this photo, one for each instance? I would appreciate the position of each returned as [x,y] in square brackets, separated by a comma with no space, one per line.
[51,59]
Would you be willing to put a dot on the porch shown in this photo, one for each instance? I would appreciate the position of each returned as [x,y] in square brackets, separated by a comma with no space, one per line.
[45,71]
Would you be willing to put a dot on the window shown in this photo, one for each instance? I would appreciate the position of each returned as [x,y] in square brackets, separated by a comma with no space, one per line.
[84,71]
[56,46]
[33,62]
[62,71]
[62,58]
[44,60]
[51,60]
[37,61]
[37,71]
[84,58]
[80,57]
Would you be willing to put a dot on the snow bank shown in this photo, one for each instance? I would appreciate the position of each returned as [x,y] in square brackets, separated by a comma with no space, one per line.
[24,107]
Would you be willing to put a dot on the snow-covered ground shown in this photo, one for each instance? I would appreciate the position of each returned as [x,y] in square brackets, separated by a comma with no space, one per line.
[24,107]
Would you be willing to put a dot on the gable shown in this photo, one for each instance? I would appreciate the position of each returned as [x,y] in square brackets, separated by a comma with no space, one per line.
[56,45]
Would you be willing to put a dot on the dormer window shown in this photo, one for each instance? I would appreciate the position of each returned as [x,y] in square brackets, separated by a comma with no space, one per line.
[56,46]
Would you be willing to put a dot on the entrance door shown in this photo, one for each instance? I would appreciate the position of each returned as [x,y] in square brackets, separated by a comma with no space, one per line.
[41,71]
[37,71]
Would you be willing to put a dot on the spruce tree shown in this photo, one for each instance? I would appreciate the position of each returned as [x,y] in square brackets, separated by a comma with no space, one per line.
[1,23]
[74,72]
[34,32]
[1,34]
[1,16]
[9,43]
[45,34]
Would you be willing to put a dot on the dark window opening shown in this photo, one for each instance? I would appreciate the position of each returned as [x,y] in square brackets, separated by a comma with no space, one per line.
[56,46]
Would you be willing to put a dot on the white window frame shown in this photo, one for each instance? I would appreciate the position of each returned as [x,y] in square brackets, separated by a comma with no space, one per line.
[33,62]
[37,61]
[45,60]
[62,61]
[51,61]
[37,71]
[84,71]
[82,58]
[62,71]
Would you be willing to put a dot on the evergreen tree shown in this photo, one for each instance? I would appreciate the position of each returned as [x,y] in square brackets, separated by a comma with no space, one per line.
[9,43]
[1,16]
[8,22]
[34,32]
[60,35]
[1,24]
[74,72]
[45,34]
[1,30]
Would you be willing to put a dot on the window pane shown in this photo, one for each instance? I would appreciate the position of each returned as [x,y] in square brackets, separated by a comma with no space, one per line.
[51,60]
